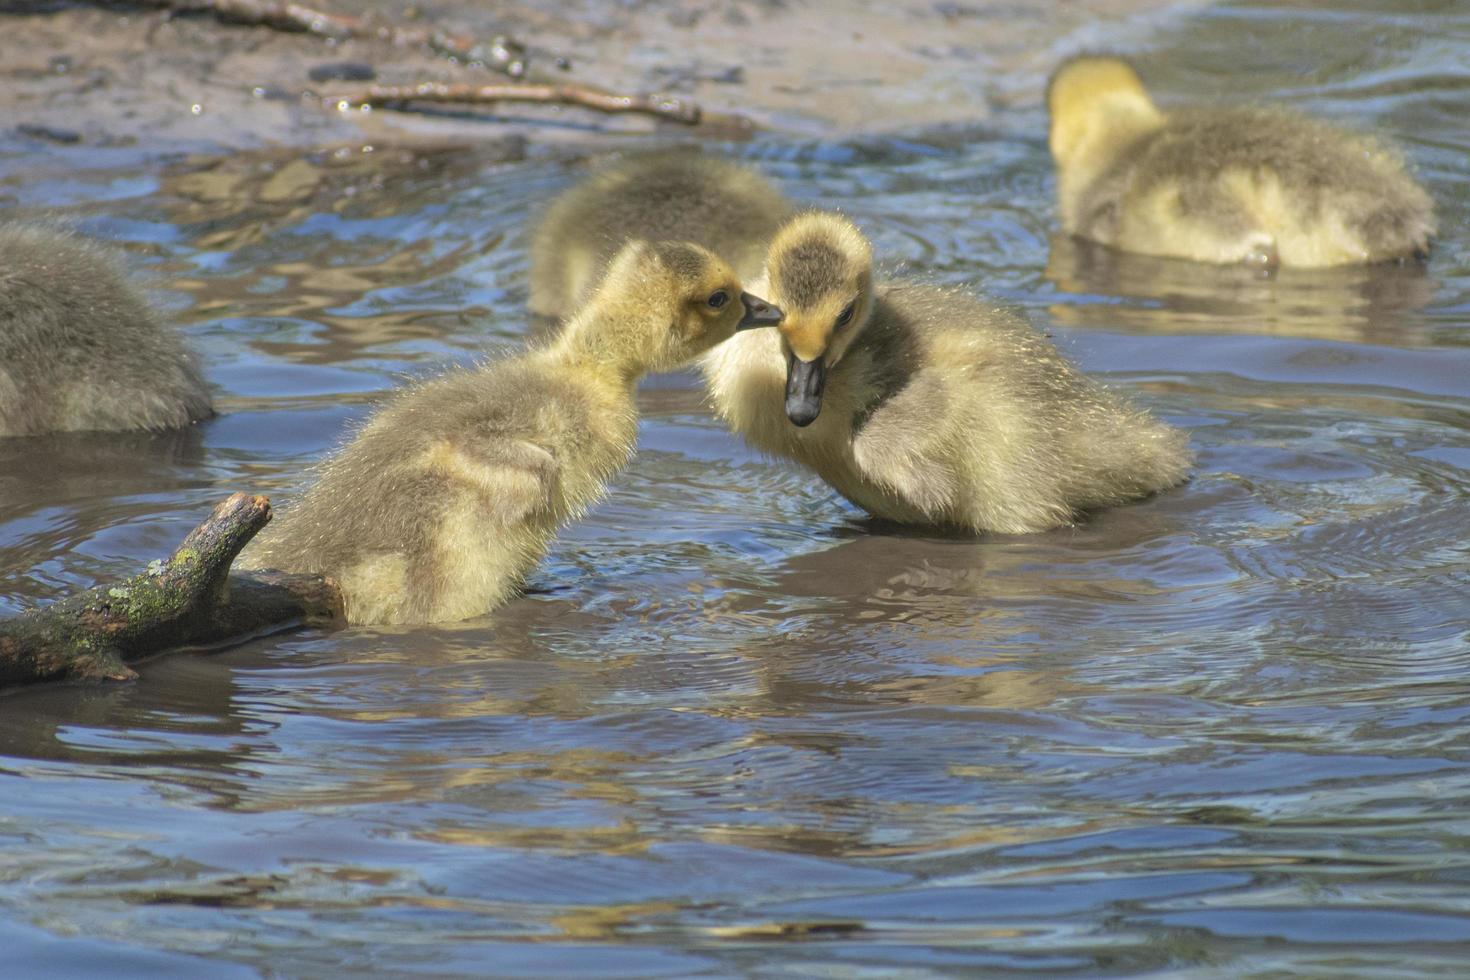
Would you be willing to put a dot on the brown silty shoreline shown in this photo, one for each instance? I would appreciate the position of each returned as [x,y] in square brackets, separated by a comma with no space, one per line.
[140,77]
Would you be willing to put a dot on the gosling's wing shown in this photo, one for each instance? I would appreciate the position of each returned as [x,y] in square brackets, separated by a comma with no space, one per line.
[899,445]
[512,479]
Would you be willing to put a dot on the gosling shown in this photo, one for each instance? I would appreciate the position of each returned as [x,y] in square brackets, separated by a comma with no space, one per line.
[79,346]
[927,406]
[453,490]
[1224,185]
[677,194]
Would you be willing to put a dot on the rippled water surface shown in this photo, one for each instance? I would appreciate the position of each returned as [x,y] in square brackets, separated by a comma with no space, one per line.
[734,727]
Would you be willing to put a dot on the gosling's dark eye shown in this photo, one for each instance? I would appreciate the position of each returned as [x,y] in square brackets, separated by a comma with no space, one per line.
[846,314]
[718,299]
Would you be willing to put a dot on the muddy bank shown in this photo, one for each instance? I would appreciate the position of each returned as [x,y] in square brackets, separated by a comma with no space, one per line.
[137,78]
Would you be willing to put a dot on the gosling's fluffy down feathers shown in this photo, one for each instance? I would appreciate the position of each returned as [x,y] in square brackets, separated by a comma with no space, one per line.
[938,410]
[1224,184]
[79,346]
[451,493]
[679,195]
[948,412]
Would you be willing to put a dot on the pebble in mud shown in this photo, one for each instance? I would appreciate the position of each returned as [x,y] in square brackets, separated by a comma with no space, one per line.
[342,71]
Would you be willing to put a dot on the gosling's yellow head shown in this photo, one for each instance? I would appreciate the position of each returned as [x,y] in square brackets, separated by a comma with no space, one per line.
[688,298]
[820,270]
[1087,97]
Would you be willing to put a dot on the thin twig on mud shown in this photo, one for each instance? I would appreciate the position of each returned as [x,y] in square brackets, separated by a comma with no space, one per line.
[501,53]
[665,107]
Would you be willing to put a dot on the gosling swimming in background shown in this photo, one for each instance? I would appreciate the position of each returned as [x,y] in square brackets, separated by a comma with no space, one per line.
[924,405]
[1224,184]
[453,490]
[677,195]
[80,348]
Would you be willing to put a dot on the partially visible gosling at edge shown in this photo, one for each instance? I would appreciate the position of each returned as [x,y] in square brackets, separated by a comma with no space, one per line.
[678,194]
[453,490]
[80,348]
[1224,185]
[924,405]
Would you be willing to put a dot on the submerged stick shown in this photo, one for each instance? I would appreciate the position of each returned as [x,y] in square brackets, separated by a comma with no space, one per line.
[188,599]
[663,106]
[500,52]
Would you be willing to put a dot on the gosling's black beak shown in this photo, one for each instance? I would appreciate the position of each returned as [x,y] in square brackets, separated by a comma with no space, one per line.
[758,313]
[804,383]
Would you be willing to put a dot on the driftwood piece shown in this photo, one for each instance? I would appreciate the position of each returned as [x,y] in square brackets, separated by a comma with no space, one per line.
[663,106]
[188,599]
[501,53]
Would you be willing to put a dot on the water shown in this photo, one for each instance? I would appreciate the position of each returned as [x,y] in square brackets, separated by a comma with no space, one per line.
[734,727]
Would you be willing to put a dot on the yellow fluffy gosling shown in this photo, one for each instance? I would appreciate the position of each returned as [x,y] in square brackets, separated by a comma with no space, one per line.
[79,346]
[1224,184]
[925,405]
[678,195]
[453,490]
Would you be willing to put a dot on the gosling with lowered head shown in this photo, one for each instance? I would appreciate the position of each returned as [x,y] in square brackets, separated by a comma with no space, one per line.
[925,405]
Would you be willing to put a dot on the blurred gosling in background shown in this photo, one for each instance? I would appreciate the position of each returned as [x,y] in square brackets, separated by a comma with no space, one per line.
[675,195]
[452,491]
[1258,185]
[80,348]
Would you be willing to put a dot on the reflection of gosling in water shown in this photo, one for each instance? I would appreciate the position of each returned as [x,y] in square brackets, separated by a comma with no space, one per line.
[679,195]
[452,492]
[80,348]
[925,405]
[1223,184]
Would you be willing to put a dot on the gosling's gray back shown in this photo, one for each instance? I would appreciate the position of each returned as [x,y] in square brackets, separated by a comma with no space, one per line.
[946,411]
[670,195]
[79,346]
[1020,421]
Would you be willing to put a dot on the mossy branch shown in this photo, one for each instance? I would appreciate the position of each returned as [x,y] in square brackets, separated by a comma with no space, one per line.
[188,599]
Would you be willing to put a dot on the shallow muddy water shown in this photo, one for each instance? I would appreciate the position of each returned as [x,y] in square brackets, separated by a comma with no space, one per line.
[734,727]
